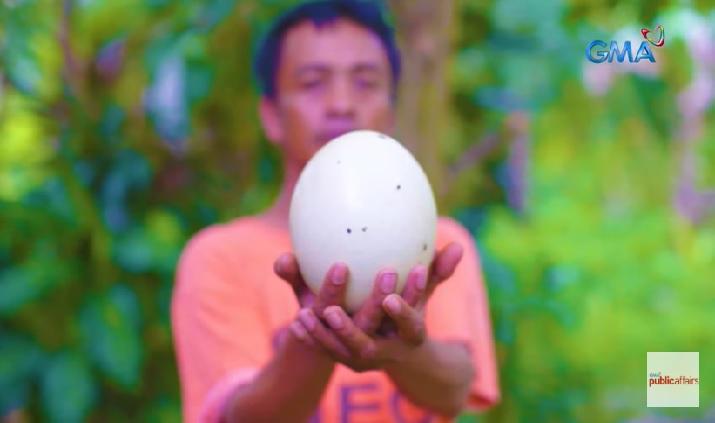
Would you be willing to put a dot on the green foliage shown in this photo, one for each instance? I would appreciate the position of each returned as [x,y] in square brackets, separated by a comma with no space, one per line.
[104,174]
[110,333]
[599,269]
[20,360]
[140,128]
[67,388]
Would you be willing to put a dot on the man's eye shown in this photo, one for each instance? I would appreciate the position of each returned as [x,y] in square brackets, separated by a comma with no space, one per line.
[367,84]
[311,83]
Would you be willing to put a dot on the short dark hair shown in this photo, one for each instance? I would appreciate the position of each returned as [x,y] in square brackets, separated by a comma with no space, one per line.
[364,13]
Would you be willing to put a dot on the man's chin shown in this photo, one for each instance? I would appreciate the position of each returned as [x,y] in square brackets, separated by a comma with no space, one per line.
[329,136]
[322,141]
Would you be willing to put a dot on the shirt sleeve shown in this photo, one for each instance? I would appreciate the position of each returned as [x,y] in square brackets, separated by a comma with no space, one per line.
[221,335]
[459,311]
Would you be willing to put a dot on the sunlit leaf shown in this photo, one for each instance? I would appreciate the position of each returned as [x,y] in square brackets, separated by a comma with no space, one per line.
[163,410]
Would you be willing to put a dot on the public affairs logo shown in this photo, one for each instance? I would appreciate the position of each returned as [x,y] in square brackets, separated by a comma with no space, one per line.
[673,379]
[598,51]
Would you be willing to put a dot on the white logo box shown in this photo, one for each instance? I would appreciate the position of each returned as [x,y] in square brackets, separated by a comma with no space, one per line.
[673,379]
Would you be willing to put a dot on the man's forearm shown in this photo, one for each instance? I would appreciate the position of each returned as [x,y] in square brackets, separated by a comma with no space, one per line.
[436,375]
[287,389]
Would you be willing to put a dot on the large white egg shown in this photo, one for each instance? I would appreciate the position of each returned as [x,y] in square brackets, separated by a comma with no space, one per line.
[365,201]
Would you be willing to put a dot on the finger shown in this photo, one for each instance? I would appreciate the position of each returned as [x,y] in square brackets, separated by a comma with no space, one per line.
[410,324]
[370,314]
[444,264]
[297,329]
[357,341]
[416,286]
[322,335]
[286,267]
[332,292]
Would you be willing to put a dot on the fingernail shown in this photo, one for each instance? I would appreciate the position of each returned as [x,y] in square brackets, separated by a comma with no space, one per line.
[392,304]
[298,330]
[421,280]
[278,264]
[286,260]
[388,282]
[334,319]
[307,318]
[338,276]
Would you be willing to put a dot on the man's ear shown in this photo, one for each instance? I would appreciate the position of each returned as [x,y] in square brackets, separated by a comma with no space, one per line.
[270,120]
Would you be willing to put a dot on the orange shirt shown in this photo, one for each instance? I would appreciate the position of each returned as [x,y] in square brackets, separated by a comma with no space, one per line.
[228,305]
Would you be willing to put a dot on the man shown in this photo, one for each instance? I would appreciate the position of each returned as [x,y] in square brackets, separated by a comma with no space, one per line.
[253,344]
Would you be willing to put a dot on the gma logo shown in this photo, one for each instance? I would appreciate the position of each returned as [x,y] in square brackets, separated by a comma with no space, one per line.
[598,51]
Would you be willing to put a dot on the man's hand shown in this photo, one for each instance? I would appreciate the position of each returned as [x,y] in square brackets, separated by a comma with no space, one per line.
[332,291]
[348,339]
[351,341]
[332,294]
[418,290]
[434,374]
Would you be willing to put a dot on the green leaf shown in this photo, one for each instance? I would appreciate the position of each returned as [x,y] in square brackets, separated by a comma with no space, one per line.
[154,246]
[213,12]
[164,410]
[19,359]
[18,287]
[166,234]
[199,78]
[110,125]
[51,198]
[68,389]
[133,251]
[130,172]
[468,418]
[29,281]
[110,327]
[28,49]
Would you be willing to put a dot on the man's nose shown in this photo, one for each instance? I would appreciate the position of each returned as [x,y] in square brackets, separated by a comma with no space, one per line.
[341,101]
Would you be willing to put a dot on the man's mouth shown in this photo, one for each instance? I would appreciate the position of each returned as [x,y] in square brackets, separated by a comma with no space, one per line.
[331,134]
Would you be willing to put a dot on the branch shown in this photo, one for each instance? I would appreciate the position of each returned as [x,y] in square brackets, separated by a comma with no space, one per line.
[72,68]
[517,128]
[474,155]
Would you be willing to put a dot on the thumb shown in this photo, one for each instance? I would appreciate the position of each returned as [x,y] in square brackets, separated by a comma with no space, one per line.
[286,267]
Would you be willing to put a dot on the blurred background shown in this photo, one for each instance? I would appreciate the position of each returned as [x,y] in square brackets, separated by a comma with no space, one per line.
[126,126]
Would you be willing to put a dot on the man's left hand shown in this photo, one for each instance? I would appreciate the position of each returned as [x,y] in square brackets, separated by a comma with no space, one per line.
[406,331]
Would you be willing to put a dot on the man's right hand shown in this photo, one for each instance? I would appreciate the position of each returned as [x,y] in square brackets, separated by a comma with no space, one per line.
[332,293]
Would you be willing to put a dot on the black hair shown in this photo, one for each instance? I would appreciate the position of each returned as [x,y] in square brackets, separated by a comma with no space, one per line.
[364,13]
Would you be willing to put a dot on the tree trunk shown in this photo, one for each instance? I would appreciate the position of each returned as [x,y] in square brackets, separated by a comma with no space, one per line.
[425,29]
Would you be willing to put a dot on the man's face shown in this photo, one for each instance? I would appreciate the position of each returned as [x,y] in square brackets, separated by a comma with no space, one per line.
[330,80]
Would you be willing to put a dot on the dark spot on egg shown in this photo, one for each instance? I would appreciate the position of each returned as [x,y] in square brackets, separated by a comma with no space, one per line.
[424,247]
[364,229]
[399,187]
[338,161]
[382,136]
[350,230]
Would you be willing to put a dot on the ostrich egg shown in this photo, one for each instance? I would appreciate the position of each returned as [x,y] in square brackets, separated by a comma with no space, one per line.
[363,200]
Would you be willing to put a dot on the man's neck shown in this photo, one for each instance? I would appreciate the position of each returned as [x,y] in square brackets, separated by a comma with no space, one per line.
[278,213]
